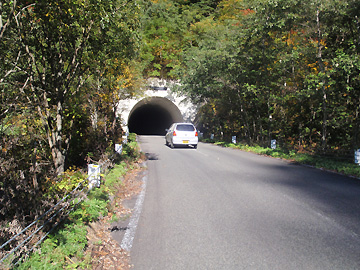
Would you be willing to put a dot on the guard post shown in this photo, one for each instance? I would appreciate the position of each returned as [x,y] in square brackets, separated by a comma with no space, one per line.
[357,156]
[118,148]
[273,144]
[94,175]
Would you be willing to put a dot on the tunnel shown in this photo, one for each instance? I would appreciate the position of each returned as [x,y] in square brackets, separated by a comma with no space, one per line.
[151,116]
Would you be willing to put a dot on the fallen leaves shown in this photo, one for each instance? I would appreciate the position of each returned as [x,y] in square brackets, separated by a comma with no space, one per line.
[104,251]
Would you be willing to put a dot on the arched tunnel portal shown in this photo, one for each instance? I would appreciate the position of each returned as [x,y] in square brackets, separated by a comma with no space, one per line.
[151,116]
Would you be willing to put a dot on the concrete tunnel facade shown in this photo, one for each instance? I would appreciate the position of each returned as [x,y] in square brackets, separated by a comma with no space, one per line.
[151,116]
[156,110]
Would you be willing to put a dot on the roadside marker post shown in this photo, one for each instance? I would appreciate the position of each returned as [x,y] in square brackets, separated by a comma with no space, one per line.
[273,144]
[125,139]
[118,148]
[357,156]
[94,175]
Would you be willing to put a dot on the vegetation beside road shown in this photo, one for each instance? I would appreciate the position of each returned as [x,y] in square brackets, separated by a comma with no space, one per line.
[343,165]
[64,66]
[68,247]
[283,69]
[260,69]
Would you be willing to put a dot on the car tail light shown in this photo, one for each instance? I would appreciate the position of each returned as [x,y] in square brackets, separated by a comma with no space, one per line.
[174,133]
[196,134]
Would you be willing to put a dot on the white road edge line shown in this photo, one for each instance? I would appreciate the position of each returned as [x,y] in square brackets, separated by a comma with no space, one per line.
[129,235]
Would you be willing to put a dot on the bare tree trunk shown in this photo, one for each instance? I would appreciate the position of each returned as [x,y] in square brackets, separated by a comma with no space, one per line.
[358,30]
[323,83]
[356,127]
[54,130]
[266,84]
[33,168]
[10,17]
[57,151]
[245,118]
[357,113]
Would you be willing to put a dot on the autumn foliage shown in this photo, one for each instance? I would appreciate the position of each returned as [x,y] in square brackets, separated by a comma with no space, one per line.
[63,67]
[261,70]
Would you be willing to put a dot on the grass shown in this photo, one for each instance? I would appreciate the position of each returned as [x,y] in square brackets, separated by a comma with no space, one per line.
[334,164]
[112,178]
[65,247]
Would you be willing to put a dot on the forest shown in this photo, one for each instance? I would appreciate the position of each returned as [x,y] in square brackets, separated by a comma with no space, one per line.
[260,69]
[285,70]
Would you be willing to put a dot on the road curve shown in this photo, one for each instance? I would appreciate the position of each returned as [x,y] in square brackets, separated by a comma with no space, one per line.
[219,208]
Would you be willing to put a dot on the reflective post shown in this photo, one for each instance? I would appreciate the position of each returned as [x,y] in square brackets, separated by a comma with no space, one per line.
[118,148]
[94,175]
[357,156]
[273,144]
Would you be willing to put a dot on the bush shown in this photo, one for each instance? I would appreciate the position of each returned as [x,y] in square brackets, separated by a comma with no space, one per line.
[330,163]
[64,248]
[112,178]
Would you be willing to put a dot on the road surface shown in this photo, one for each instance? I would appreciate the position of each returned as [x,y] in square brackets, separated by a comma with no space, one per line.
[220,208]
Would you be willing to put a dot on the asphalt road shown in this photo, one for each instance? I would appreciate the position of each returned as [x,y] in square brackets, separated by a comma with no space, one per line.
[218,208]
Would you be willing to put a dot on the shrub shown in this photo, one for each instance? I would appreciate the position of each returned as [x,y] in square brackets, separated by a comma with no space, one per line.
[330,163]
[64,248]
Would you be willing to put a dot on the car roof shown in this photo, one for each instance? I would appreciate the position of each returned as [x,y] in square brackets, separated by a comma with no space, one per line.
[183,123]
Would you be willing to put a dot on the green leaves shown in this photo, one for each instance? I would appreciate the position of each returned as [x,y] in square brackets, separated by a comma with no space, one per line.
[51,50]
[63,67]
[279,68]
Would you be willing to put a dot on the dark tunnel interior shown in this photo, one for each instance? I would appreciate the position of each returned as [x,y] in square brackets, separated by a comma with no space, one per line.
[150,119]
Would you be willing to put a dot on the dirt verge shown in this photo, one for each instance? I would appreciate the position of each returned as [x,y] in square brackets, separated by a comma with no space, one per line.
[105,235]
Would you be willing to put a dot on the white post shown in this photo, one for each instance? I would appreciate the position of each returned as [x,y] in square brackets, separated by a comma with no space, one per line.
[125,139]
[273,144]
[94,175]
[118,148]
[357,156]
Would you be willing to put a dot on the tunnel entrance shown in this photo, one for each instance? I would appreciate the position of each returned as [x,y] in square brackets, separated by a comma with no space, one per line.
[152,116]
[149,120]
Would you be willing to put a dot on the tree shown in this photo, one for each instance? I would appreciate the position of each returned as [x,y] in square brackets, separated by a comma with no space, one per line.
[286,69]
[52,53]
[60,42]
[166,33]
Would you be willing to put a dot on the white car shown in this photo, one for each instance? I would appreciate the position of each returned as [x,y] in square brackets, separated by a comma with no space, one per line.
[181,134]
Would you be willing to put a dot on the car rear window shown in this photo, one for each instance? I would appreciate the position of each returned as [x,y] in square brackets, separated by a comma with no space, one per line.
[183,127]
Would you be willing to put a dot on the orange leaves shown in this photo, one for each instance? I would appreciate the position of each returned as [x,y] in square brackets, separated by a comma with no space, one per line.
[126,78]
[232,9]
[313,67]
